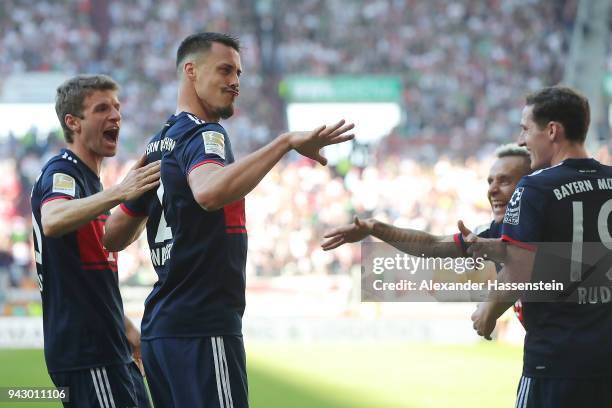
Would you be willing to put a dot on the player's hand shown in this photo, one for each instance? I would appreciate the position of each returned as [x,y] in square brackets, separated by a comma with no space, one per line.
[133,337]
[139,179]
[487,248]
[354,232]
[471,240]
[468,236]
[309,144]
[483,323]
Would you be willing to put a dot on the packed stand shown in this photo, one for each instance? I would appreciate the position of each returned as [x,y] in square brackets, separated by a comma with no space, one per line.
[465,66]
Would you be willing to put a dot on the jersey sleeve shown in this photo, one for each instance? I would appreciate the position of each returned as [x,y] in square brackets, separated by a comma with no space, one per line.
[139,207]
[522,224]
[460,243]
[486,233]
[136,207]
[60,181]
[206,145]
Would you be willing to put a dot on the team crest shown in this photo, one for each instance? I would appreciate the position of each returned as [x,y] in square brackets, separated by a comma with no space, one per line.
[63,183]
[513,211]
[214,143]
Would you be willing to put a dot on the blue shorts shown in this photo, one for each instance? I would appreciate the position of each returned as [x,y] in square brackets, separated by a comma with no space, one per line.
[198,372]
[564,392]
[114,386]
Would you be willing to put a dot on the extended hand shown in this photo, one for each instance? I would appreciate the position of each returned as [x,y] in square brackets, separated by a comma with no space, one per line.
[310,143]
[140,179]
[354,232]
[488,248]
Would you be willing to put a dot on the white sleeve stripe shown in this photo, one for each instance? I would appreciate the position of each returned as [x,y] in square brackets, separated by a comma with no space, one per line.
[229,388]
[102,390]
[110,391]
[95,383]
[214,350]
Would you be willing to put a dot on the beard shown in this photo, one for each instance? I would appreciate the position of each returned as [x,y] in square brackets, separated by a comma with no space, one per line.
[226,111]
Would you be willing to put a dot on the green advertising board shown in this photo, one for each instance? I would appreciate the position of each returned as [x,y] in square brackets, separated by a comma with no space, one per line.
[343,88]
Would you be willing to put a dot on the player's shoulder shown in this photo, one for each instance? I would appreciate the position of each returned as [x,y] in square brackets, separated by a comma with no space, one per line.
[568,169]
[64,161]
[542,174]
[605,170]
[482,230]
[544,177]
[187,124]
[61,172]
[492,230]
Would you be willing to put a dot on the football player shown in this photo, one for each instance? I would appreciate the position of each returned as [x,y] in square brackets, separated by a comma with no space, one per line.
[87,337]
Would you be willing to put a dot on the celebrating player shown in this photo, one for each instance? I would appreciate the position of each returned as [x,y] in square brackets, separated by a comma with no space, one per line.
[192,326]
[512,163]
[86,348]
[567,352]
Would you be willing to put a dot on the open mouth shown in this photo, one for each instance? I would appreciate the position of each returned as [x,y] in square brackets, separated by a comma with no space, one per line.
[111,135]
[499,206]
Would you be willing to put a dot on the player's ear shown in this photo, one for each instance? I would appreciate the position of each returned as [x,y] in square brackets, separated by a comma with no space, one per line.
[73,123]
[189,70]
[555,130]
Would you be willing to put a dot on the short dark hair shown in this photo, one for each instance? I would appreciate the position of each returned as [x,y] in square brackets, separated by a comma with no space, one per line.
[201,42]
[72,93]
[564,105]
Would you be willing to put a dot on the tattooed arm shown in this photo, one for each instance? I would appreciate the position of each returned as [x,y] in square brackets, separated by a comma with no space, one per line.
[407,240]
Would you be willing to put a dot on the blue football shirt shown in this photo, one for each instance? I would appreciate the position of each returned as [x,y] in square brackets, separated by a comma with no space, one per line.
[199,255]
[82,309]
[563,213]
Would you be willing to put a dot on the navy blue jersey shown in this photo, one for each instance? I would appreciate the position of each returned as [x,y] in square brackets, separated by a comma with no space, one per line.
[201,264]
[493,231]
[569,205]
[82,309]
[159,235]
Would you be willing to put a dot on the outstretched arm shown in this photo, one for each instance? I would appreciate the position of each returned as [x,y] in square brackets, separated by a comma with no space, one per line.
[59,217]
[407,240]
[214,187]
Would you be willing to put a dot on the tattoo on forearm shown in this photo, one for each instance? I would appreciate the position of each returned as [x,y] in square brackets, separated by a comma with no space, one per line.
[415,242]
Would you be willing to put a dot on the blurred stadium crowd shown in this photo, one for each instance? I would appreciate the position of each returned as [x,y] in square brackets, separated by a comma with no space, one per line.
[465,65]
[465,68]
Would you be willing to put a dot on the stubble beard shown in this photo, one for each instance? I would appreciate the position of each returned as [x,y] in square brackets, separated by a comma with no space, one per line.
[226,111]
